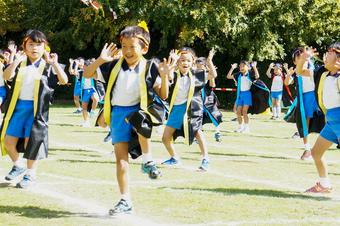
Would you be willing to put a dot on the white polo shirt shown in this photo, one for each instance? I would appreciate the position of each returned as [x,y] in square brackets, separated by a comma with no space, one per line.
[245,83]
[126,91]
[331,93]
[31,73]
[87,83]
[277,84]
[183,90]
[308,84]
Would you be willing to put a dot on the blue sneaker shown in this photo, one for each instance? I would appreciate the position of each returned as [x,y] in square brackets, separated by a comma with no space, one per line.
[204,165]
[14,173]
[218,136]
[108,137]
[26,182]
[122,207]
[170,162]
[77,111]
[151,169]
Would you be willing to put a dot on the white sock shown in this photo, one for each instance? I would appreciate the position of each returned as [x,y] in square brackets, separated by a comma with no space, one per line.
[246,126]
[31,172]
[307,147]
[217,129]
[274,111]
[80,109]
[278,111]
[206,157]
[19,163]
[146,157]
[126,197]
[325,182]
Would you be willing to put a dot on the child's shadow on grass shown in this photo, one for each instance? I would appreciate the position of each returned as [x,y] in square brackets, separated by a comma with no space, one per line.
[257,192]
[34,212]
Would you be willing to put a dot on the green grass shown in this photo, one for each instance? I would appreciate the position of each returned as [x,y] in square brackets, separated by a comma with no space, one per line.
[254,179]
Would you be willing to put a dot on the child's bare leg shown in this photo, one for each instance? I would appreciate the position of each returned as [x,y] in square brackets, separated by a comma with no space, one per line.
[11,146]
[245,114]
[122,166]
[202,144]
[167,140]
[320,147]
[85,113]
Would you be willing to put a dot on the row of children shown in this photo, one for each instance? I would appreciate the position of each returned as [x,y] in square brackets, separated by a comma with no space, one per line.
[139,94]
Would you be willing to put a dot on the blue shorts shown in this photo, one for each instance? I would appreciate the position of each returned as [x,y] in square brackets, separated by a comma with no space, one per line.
[120,129]
[310,104]
[77,89]
[245,98]
[22,119]
[277,95]
[175,119]
[3,93]
[87,94]
[331,131]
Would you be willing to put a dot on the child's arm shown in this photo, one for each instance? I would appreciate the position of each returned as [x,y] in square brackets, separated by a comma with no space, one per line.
[257,75]
[212,69]
[13,48]
[70,68]
[165,68]
[268,73]
[212,82]
[52,59]
[230,73]
[302,63]
[9,72]
[288,80]
[107,55]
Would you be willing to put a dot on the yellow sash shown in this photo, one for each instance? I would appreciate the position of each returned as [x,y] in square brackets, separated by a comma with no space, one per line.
[15,97]
[320,91]
[190,95]
[143,92]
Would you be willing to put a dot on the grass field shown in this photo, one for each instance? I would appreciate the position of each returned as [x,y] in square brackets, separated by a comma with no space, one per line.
[254,179]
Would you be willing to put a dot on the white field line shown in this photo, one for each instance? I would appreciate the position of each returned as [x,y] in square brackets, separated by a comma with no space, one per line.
[92,209]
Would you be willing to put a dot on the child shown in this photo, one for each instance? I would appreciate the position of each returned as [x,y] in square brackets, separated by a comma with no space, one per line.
[25,124]
[304,112]
[89,96]
[77,81]
[244,96]
[327,81]
[132,83]
[276,88]
[209,98]
[186,106]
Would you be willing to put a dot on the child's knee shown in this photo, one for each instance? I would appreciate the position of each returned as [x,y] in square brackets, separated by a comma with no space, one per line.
[122,165]
[165,139]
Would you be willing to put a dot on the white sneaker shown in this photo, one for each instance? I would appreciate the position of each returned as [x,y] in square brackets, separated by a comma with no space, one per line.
[86,124]
[239,130]
[246,130]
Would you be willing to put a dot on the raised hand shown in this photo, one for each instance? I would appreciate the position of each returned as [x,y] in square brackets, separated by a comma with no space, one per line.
[19,57]
[167,66]
[285,66]
[109,52]
[233,66]
[71,60]
[174,56]
[51,58]
[12,47]
[211,54]
[271,65]
[253,64]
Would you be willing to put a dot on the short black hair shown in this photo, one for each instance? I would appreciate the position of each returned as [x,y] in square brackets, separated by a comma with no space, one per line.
[35,36]
[335,47]
[136,32]
[297,52]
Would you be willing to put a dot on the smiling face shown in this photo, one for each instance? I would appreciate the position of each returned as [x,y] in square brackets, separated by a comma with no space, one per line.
[243,68]
[34,50]
[277,70]
[330,58]
[132,50]
[185,62]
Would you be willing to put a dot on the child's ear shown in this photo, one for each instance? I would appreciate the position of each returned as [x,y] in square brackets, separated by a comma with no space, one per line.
[145,49]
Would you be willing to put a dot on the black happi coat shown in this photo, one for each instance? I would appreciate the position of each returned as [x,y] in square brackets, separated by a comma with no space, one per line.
[37,147]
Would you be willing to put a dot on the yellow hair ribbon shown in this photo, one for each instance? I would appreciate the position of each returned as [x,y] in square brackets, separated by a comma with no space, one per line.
[143,25]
